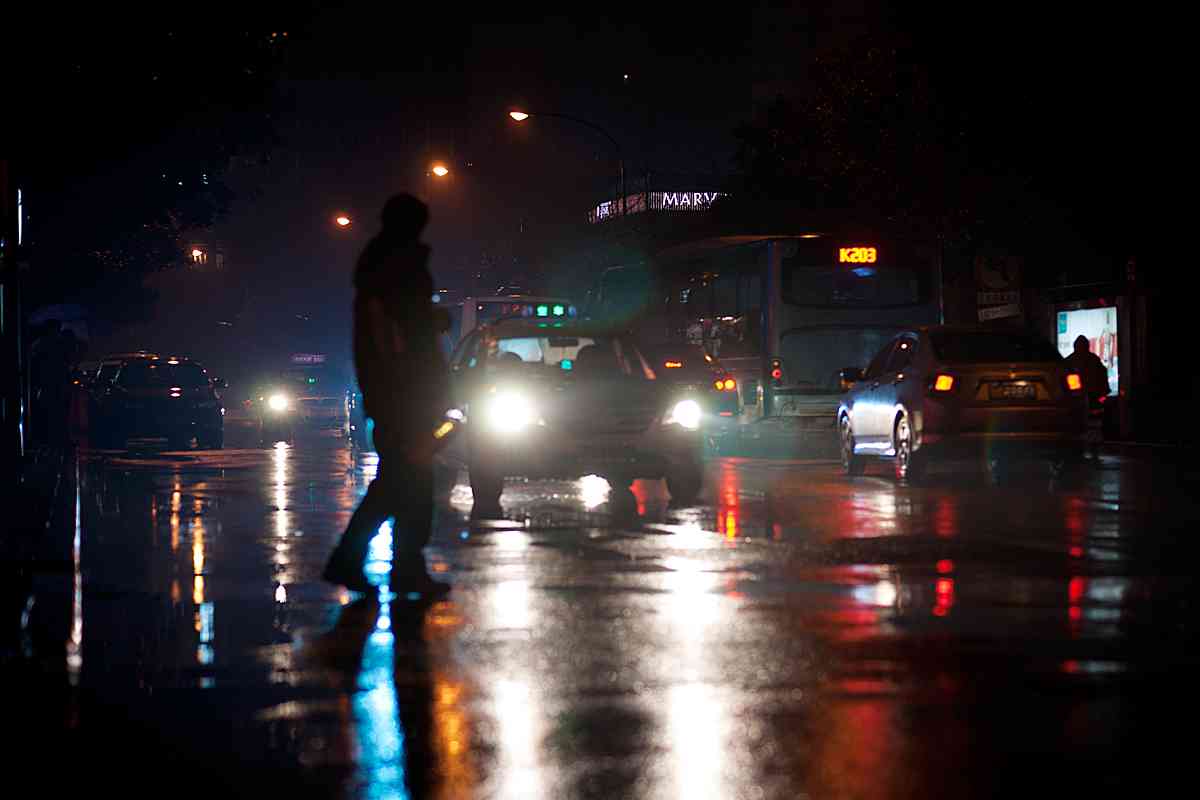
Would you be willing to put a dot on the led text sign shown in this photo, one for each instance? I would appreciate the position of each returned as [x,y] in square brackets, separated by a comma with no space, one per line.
[857,255]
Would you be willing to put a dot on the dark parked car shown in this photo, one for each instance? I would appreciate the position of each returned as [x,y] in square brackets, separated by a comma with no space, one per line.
[696,374]
[564,399]
[961,392]
[140,396]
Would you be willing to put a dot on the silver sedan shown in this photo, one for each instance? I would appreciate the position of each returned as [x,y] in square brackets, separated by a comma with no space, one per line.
[960,392]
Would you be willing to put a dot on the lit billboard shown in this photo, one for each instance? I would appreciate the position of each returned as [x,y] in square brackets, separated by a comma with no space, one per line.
[1099,325]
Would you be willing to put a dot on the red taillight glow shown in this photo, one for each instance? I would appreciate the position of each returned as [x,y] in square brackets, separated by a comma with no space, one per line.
[1074,382]
[729,385]
[943,383]
[673,364]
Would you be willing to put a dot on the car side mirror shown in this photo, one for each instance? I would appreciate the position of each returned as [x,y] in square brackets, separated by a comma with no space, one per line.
[849,376]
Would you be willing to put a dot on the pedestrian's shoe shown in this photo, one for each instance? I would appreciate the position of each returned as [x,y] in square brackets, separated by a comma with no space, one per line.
[341,573]
[419,583]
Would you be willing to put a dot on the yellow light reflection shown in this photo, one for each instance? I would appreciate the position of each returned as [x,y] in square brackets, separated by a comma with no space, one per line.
[452,738]
[198,552]
[282,517]
[198,590]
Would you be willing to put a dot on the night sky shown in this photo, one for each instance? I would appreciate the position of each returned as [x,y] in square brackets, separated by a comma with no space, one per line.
[368,96]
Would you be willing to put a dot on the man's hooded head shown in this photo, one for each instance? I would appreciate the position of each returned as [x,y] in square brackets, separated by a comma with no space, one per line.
[404,217]
[1081,344]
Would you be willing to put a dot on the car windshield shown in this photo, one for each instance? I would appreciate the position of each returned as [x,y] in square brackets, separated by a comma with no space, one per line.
[988,347]
[152,373]
[580,355]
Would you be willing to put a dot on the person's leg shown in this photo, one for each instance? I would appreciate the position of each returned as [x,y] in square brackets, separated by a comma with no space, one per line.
[346,564]
[414,521]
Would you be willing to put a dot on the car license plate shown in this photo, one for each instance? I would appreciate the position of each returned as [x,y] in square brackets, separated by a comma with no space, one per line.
[1013,391]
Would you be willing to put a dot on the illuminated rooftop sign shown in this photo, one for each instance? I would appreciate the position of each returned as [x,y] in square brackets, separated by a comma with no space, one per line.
[655,201]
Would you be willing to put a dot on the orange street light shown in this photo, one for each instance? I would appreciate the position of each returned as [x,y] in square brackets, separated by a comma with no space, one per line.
[519,116]
[342,221]
[440,170]
[197,252]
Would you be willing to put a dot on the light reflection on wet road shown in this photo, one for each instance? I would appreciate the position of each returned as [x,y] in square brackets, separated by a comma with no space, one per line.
[799,633]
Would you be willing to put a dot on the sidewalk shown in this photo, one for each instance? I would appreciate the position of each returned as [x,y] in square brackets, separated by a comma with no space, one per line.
[34,539]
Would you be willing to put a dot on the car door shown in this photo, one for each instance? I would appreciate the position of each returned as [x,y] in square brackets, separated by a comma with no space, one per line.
[893,384]
[863,408]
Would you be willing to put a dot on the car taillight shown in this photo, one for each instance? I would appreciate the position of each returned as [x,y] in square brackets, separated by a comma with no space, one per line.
[943,383]
[1074,382]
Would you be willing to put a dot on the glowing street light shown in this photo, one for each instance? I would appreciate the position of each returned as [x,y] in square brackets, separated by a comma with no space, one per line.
[342,221]
[197,253]
[520,116]
[440,170]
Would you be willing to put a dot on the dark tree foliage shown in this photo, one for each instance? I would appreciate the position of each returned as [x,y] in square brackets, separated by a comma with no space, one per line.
[127,132]
[866,128]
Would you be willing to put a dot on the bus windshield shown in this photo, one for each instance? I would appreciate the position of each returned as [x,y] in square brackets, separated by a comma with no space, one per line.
[814,357]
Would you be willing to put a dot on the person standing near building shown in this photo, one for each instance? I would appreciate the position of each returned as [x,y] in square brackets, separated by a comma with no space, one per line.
[403,381]
[1094,374]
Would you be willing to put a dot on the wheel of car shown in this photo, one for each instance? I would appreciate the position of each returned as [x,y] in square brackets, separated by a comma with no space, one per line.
[852,463]
[685,483]
[910,464]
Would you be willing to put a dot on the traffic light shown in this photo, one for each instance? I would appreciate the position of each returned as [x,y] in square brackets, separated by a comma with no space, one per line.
[776,372]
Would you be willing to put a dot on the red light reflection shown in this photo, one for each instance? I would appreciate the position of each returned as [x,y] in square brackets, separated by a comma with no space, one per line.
[945,518]
[944,589]
[945,566]
[727,502]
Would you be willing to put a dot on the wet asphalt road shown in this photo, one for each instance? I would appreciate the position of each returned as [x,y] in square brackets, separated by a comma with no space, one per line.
[798,634]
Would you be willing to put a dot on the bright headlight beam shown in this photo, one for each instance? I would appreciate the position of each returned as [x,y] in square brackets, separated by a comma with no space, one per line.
[510,412]
[686,413]
[279,402]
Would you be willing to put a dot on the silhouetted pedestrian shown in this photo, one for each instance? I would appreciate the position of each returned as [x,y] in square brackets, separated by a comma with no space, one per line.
[51,357]
[1094,374]
[402,377]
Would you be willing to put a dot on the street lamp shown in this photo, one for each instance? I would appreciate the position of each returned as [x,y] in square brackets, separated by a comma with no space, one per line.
[440,169]
[520,116]
[342,221]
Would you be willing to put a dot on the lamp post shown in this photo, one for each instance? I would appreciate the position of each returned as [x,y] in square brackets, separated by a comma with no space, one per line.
[518,115]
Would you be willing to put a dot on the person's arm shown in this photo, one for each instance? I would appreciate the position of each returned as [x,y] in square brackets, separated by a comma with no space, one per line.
[387,335]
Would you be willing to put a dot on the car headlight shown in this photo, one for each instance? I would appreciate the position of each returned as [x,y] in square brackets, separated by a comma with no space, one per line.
[510,412]
[686,414]
[279,402]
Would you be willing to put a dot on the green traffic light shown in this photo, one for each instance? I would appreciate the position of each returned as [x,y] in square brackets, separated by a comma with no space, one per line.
[559,311]
[543,311]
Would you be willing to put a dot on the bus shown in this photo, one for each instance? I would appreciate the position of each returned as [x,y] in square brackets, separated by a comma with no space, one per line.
[784,314]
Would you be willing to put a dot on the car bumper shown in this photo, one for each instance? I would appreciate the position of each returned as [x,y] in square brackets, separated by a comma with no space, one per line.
[548,454]
[971,445]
